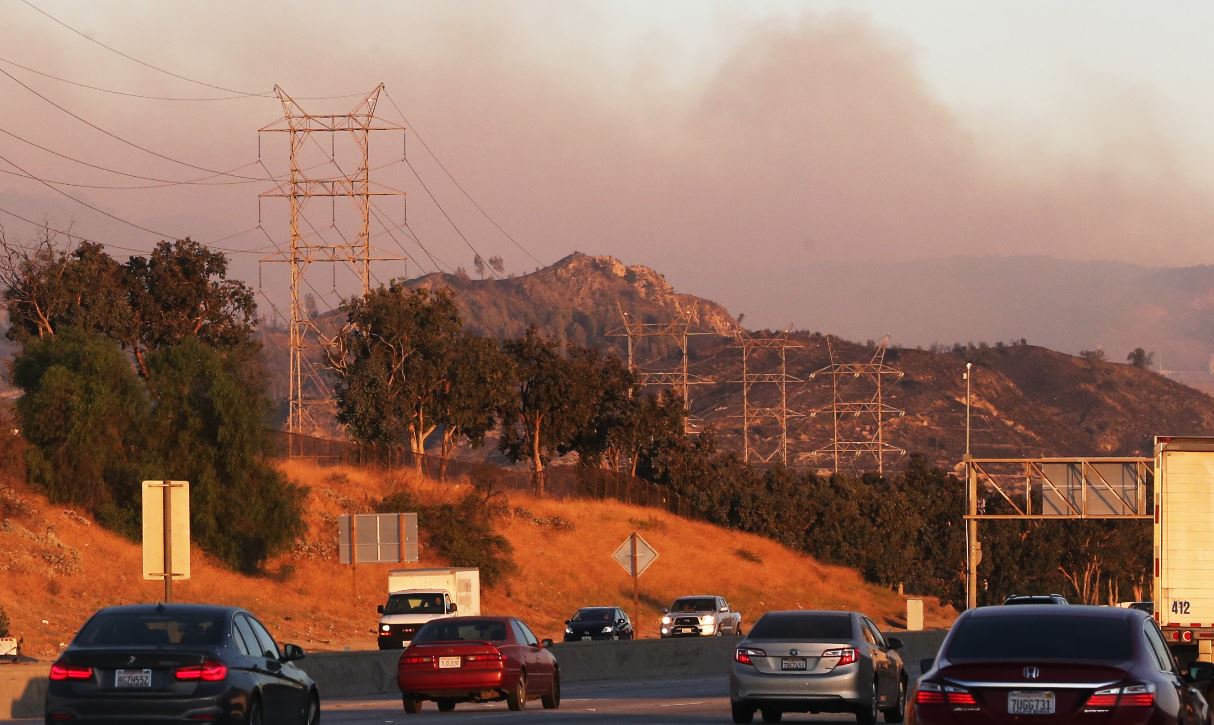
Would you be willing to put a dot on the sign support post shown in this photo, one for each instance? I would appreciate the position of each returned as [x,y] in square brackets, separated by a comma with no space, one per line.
[168,542]
[635,555]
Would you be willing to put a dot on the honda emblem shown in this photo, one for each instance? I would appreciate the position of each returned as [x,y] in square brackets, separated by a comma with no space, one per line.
[1032,673]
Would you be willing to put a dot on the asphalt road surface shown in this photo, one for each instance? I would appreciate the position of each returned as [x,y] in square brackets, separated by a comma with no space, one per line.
[679,701]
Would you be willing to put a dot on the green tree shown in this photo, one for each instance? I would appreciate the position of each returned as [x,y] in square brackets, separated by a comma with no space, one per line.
[209,429]
[547,406]
[393,361]
[85,414]
[476,387]
[1140,358]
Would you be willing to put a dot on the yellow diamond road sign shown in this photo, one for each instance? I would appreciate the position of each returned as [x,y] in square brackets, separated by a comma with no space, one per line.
[635,563]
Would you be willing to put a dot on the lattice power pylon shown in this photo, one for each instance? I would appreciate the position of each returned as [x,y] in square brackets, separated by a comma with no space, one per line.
[857,391]
[679,330]
[308,388]
[752,414]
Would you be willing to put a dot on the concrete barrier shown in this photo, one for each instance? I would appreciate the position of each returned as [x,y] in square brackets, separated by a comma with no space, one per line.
[345,674]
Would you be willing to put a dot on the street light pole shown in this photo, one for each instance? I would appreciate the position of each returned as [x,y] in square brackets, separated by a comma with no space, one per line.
[968,372]
[973,549]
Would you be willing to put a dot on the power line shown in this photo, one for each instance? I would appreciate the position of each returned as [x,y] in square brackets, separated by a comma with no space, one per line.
[121,93]
[116,137]
[158,69]
[455,181]
[447,216]
[83,203]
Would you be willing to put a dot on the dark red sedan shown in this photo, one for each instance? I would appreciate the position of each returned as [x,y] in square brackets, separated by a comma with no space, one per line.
[477,659]
[1049,664]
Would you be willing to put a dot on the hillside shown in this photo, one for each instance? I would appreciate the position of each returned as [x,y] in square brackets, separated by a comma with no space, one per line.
[1027,400]
[57,566]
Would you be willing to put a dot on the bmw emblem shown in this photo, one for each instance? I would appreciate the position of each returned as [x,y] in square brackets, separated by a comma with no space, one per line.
[130,660]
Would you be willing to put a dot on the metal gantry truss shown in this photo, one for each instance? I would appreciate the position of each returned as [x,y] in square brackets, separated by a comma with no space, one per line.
[308,388]
[680,378]
[858,392]
[1039,489]
[752,414]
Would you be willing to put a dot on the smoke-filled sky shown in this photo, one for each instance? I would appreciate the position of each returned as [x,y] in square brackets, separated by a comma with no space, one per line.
[737,147]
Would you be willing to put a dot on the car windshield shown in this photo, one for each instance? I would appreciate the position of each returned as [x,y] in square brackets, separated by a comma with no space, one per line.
[803,627]
[593,614]
[467,630]
[1040,637]
[426,603]
[135,629]
[697,604]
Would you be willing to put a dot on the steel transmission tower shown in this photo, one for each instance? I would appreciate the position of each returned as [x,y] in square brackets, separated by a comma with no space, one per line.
[857,391]
[751,414]
[679,378]
[308,388]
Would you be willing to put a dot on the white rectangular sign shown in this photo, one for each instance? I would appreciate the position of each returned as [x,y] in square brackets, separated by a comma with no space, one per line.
[153,528]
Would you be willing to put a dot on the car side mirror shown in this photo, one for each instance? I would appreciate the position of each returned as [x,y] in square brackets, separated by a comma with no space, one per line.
[292,652]
[926,664]
[1201,672]
[545,643]
[665,610]
[894,642]
[380,609]
[452,607]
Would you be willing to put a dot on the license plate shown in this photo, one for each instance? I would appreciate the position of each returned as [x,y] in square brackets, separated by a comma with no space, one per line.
[1030,702]
[585,637]
[448,663]
[794,663]
[132,678]
[680,630]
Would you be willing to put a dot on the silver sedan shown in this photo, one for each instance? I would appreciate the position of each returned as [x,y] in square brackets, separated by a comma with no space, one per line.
[817,661]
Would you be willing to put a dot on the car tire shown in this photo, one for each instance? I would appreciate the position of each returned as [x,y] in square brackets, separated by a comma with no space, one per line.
[897,713]
[516,699]
[445,705]
[552,699]
[770,715]
[311,713]
[742,712]
[738,629]
[254,714]
[412,703]
[867,714]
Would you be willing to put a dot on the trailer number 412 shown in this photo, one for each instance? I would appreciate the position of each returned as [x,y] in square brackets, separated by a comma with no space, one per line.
[1180,607]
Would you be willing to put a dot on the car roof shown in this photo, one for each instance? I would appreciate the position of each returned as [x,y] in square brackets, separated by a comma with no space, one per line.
[171,608]
[697,596]
[1053,610]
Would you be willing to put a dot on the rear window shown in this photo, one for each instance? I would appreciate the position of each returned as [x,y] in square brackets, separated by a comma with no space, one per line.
[803,627]
[446,630]
[129,629]
[1040,637]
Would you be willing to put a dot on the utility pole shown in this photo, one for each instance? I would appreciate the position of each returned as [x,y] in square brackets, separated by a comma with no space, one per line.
[308,388]
[679,377]
[866,404]
[751,413]
[973,547]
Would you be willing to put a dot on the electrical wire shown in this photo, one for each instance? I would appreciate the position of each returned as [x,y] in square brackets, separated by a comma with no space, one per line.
[123,93]
[455,181]
[448,217]
[158,69]
[116,137]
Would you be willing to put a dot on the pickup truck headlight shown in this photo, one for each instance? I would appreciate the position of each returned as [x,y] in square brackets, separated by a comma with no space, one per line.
[607,630]
[666,620]
[706,619]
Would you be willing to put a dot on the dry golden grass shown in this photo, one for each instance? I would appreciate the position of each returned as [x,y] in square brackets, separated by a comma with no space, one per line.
[57,567]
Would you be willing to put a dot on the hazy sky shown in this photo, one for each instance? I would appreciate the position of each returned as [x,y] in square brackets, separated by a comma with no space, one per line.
[715,141]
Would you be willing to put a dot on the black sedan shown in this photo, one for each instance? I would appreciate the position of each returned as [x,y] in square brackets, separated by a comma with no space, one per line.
[598,623]
[1052,664]
[179,662]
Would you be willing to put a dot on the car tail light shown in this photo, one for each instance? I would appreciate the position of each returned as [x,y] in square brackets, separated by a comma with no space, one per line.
[846,655]
[416,660]
[208,671]
[489,661]
[931,693]
[1128,696]
[60,671]
[744,655]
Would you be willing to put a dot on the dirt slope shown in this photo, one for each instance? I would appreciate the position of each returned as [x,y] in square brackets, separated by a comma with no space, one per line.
[57,566]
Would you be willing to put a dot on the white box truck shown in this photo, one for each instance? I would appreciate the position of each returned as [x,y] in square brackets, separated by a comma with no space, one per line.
[416,596]
[1183,591]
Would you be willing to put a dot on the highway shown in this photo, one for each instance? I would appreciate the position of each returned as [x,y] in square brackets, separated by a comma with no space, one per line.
[679,701]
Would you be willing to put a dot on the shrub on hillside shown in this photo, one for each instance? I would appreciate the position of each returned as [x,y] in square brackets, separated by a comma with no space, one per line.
[461,533]
[4,625]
